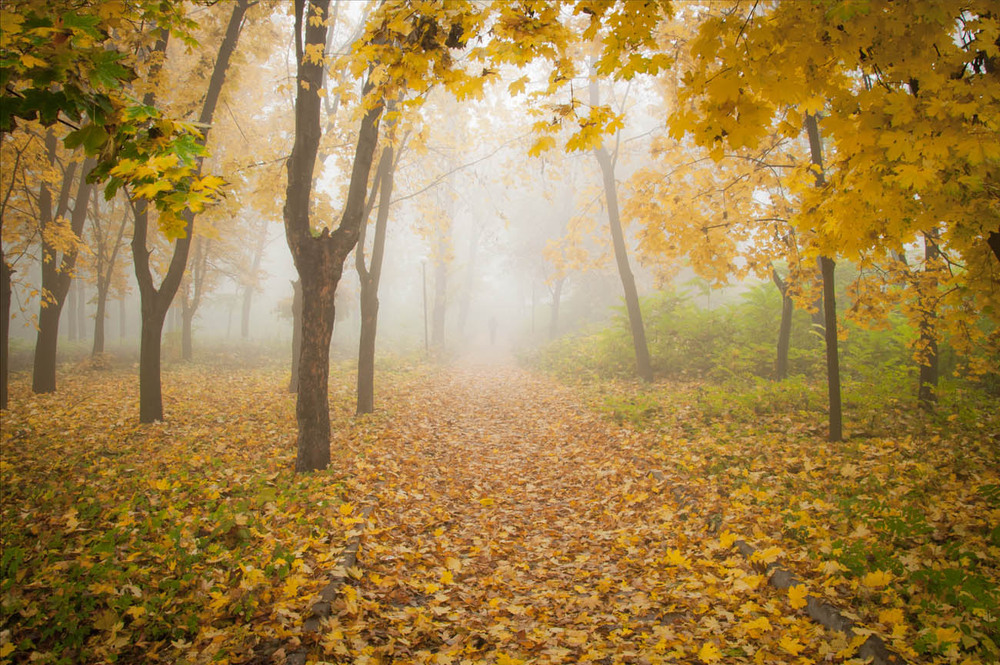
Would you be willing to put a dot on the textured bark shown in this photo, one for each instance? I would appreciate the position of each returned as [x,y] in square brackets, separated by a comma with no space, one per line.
[784,329]
[826,266]
[155,302]
[369,277]
[319,260]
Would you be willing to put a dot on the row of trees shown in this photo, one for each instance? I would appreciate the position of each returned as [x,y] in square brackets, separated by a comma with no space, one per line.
[783,140]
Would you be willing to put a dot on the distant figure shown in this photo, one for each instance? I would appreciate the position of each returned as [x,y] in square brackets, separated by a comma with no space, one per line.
[493,330]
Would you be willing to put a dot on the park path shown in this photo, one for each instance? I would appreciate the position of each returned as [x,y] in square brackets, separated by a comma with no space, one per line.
[512,525]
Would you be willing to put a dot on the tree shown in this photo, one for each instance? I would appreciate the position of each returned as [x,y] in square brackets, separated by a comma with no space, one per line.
[62,66]
[907,95]
[606,160]
[60,247]
[370,275]
[107,232]
[319,258]
[156,301]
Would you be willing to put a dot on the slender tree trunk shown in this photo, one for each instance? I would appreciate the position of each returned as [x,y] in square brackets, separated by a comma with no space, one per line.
[927,306]
[155,303]
[554,314]
[784,329]
[6,275]
[827,267]
[319,260]
[369,285]
[644,367]
[99,316]
[57,275]
[293,384]
[245,312]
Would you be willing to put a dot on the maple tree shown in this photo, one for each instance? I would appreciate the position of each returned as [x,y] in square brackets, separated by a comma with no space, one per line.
[898,164]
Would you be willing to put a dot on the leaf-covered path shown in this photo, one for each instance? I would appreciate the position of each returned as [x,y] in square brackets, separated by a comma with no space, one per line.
[513,525]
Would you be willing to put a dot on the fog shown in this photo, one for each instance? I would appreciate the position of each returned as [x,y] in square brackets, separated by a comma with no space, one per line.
[477,228]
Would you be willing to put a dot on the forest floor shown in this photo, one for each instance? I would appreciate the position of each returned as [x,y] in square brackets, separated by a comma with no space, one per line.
[502,518]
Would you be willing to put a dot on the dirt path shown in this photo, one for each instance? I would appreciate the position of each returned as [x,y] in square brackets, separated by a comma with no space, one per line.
[512,525]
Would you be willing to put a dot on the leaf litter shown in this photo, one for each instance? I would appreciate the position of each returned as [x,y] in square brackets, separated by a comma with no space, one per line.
[509,523]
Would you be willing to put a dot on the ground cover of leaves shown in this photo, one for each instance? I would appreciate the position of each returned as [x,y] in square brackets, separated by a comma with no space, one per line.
[184,541]
[510,523]
[516,526]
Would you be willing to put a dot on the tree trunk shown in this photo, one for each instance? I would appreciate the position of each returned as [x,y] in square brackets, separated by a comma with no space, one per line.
[293,384]
[150,396]
[57,275]
[312,409]
[784,329]
[245,312]
[319,260]
[369,278]
[927,306]
[827,266]
[156,302]
[99,316]
[643,366]
[554,314]
[6,275]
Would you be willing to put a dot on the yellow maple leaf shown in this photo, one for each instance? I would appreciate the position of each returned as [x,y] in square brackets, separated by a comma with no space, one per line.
[766,556]
[487,501]
[676,558]
[346,509]
[791,645]
[447,577]
[877,579]
[947,635]
[757,627]
[797,596]
[709,653]
[726,539]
